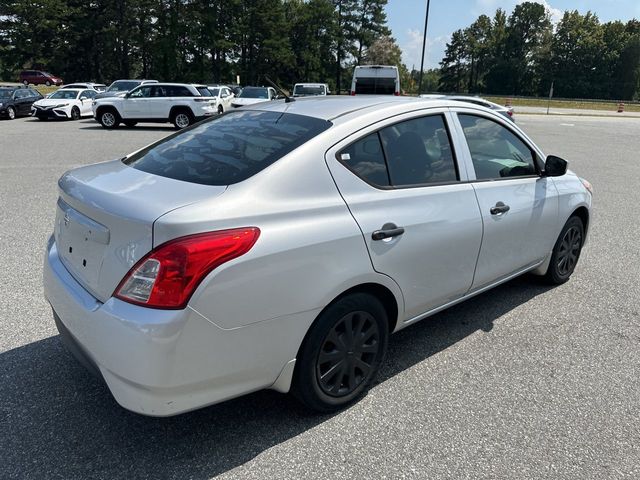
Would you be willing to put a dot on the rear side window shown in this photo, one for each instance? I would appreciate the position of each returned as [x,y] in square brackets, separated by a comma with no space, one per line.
[366,159]
[496,152]
[419,152]
[227,149]
[204,91]
[415,152]
[375,85]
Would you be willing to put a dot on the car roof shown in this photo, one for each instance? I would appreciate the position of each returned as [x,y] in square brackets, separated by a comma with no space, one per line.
[333,107]
[72,89]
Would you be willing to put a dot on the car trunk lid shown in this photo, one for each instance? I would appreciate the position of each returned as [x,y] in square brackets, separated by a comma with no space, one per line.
[105,215]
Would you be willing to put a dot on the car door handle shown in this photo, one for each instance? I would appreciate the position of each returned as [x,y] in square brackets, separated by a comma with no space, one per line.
[388,230]
[499,209]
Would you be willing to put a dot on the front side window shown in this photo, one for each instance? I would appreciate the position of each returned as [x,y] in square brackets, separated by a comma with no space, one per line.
[141,92]
[228,149]
[496,152]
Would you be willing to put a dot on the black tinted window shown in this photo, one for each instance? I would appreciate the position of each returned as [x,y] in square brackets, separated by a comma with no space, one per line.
[495,151]
[205,92]
[366,159]
[227,149]
[419,152]
[375,86]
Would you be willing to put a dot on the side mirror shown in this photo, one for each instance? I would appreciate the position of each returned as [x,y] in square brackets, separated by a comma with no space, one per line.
[555,166]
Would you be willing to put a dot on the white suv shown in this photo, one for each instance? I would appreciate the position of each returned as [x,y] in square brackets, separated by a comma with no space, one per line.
[179,103]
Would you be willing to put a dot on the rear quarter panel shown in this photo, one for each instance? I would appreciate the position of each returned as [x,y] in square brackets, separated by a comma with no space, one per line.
[310,249]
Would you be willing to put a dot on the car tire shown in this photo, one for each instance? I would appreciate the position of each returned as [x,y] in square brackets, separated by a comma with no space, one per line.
[341,353]
[47,83]
[220,109]
[182,119]
[566,252]
[109,118]
[130,123]
[11,113]
[75,113]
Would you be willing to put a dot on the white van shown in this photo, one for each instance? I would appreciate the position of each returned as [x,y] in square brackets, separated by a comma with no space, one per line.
[376,80]
[310,89]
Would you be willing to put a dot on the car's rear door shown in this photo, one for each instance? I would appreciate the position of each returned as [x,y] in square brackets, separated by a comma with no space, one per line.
[519,206]
[400,180]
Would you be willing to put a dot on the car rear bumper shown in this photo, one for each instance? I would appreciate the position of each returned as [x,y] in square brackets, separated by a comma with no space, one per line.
[165,362]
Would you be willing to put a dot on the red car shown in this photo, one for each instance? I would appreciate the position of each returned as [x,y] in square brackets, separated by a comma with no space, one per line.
[38,77]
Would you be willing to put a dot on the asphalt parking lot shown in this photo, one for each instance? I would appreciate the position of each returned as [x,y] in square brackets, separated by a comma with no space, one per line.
[524,381]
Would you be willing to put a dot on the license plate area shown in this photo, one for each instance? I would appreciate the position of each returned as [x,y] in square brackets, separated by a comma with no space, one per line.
[81,243]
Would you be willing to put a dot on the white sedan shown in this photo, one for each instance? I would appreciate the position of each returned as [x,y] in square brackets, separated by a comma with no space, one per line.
[223,97]
[66,103]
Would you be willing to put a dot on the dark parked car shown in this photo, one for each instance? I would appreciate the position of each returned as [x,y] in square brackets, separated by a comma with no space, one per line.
[38,77]
[17,101]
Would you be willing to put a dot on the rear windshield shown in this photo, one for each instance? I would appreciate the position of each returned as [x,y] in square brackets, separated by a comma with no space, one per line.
[308,90]
[376,85]
[227,149]
[254,93]
[204,91]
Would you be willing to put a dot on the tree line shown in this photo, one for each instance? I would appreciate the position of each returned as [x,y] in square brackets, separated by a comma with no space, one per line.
[523,54]
[190,40]
[316,41]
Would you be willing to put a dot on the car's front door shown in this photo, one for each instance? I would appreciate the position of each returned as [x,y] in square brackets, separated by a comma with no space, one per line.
[21,102]
[418,215]
[519,206]
[136,104]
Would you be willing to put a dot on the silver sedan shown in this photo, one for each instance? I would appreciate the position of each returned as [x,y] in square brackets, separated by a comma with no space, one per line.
[278,246]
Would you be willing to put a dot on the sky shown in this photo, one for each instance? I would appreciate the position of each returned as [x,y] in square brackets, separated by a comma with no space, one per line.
[406,20]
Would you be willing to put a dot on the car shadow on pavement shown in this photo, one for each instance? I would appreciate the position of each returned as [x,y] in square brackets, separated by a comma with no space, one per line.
[60,422]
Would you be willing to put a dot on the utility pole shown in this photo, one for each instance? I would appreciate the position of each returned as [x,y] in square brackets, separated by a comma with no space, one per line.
[424,46]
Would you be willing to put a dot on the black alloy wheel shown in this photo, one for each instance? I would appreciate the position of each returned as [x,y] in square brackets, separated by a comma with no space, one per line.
[566,252]
[342,352]
[75,113]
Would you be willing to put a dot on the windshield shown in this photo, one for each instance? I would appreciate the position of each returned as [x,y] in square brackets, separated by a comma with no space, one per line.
[307,90]
[227,149]
[254,93]
[65,94]
[5,93]
[122,86]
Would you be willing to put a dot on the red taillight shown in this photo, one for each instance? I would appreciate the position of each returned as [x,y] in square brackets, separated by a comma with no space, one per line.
[510,113]
[397,94]
[169,274]
[353,93]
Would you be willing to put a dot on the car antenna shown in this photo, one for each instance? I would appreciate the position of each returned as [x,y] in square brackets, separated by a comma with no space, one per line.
[287,98]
